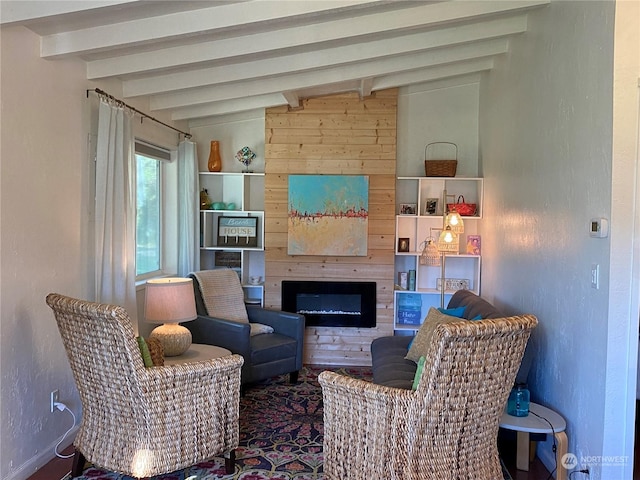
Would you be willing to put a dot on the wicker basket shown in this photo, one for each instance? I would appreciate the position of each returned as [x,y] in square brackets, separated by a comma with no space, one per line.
[440,168]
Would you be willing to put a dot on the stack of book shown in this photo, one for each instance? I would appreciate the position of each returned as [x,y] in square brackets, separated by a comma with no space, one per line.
[409,309]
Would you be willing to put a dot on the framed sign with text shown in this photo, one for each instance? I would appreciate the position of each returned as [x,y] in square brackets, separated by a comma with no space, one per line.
[237,232]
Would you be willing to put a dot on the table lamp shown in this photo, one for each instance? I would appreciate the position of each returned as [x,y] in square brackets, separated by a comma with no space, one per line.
[170,301]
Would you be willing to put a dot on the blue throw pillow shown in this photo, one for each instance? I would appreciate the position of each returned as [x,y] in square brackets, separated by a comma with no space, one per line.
[453,312]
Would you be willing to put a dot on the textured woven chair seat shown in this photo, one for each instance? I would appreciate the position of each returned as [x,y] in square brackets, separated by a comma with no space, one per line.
[143,421]
[447,428]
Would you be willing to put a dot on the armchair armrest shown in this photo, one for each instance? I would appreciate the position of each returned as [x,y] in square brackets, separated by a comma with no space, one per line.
[364,423]
[284,323]
[234,336]
[221,371]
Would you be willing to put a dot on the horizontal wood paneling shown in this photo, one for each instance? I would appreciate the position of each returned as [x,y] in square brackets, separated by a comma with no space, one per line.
[377,242]
[336,135]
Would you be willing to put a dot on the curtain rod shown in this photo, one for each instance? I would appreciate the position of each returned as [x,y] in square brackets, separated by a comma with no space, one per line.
[142,114]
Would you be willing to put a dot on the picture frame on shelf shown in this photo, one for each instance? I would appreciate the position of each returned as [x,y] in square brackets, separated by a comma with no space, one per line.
[408,209]
[403,244]
[430,206]
[474,245]
[237,231]
[452,284]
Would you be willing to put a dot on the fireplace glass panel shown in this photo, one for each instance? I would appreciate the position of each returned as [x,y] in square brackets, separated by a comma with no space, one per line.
[332,304]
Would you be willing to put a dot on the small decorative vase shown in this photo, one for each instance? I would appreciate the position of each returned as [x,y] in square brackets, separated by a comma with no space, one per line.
[215,162]
[205,200]
[519,399]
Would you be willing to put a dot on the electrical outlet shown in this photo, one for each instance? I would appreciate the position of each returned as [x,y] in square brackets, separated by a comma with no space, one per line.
[55,398]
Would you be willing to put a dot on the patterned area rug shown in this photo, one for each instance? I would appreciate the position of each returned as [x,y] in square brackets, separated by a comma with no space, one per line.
[281,432]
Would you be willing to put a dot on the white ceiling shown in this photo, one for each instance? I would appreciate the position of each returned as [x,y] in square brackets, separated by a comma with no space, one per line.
[206,58]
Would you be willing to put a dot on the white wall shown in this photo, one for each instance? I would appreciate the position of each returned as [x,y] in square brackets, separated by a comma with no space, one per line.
[235,131]
[546,141]
[44,241]
[444,111]
[46,206]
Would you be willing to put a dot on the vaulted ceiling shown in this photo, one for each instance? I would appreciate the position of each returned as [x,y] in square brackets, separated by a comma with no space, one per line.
[205,58]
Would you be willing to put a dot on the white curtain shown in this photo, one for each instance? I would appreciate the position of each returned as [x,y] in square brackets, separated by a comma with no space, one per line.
[116,209]
[188,209]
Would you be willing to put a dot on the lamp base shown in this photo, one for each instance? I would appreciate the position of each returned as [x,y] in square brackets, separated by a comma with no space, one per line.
[175,338]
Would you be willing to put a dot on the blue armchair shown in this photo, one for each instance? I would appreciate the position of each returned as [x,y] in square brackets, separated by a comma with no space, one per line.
[225,321]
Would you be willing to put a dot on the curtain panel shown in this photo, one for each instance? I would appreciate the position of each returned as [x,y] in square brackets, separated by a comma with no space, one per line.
[115,226]
[188,209]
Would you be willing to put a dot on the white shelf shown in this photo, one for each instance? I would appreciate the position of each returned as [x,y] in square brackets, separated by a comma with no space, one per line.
[246,192]
[417,228]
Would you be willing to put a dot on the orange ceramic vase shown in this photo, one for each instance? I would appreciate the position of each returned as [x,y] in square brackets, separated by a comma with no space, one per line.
[215,162]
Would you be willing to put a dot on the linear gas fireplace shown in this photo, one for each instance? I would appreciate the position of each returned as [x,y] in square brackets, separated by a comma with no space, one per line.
[332,304]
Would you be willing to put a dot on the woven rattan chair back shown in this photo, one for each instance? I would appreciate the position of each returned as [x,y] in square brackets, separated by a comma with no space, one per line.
[463,390]
[142,421]
[103,354]
[447,428]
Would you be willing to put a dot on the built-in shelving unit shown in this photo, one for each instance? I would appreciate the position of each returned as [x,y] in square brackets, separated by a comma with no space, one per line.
[415,193]
[243,197]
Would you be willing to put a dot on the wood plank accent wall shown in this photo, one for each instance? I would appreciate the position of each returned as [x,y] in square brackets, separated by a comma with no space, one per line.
[334,135]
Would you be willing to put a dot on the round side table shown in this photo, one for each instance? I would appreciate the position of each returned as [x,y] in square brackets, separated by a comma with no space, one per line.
[533,424]
[197,352]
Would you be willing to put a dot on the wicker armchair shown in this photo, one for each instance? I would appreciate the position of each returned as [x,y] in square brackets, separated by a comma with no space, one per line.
[447,428]
[144,421]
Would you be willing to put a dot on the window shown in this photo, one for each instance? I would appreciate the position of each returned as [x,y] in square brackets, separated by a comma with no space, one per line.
[149,258]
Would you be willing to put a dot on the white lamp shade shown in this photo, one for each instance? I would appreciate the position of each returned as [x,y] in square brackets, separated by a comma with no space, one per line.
[430,254]
[448,241]
[169,300]
[454,220]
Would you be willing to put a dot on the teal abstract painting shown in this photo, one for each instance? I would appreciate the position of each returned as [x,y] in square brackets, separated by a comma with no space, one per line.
[328,215]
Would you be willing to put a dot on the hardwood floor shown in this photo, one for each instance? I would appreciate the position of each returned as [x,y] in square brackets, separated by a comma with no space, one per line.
[58,467]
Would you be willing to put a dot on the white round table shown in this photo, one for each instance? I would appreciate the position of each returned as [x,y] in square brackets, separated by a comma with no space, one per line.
[197,352]
[534,424]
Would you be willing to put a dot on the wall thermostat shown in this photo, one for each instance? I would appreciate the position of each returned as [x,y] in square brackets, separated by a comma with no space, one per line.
[599,227]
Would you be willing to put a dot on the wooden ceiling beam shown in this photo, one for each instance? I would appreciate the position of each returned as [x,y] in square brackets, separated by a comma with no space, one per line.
[309,79]
[298,39]
[235,18]
[328,57]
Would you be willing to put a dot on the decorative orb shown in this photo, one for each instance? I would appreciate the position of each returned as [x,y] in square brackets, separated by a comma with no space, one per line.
[245,156]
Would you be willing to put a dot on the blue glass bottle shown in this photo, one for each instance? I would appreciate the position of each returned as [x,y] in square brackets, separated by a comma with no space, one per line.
[518,403]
